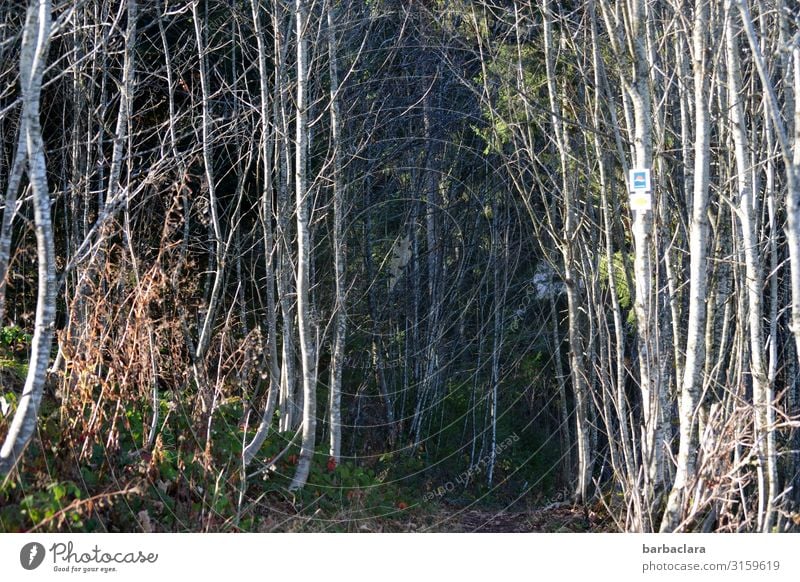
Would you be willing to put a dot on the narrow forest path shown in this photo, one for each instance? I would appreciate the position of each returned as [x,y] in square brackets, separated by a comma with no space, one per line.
[561,517]
[557,517]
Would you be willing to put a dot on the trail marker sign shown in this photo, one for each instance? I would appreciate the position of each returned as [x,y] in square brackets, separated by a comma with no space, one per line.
[639,182]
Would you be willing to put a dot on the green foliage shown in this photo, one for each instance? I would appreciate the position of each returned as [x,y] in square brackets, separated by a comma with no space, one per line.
[518,73]
[620,281]
[13,370]
[14,345]
[51,508]
[340,496]
[12,337]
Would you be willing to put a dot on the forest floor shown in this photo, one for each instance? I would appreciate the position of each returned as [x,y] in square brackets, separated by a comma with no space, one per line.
[444,518]
[555,518]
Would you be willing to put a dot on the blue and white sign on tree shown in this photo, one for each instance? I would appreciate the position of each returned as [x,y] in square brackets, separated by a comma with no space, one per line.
[639,185]
[640,180]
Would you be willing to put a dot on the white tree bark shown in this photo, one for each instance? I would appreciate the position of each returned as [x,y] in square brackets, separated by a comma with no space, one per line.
[791,159]
[763,394]
[645,305]
[254,445]
[652,387]
[762,400]
[698,250]
[304,311]
[339,251]
[794,397]
[125,104]
[285,273]
[219,252]
[35,43]
[578,371]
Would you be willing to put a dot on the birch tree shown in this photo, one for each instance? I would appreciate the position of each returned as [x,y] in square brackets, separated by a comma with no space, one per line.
[339,251]
[762,392]
[304,312]
[33,58]
[698,244]
[425,202]
[577,364]
[630,29]
[269,238]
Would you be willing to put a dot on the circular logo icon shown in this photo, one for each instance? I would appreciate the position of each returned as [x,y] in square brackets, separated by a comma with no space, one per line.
[31,555]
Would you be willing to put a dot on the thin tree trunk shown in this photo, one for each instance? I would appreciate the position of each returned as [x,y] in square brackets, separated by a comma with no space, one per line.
[269,242]
[645,304]
[791,159]
[33,57]
[794,399]
[577,363]
[217,255]
[289,417]
[304,311]
[564,436]
[698,268]
[339,251]
[754,281]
